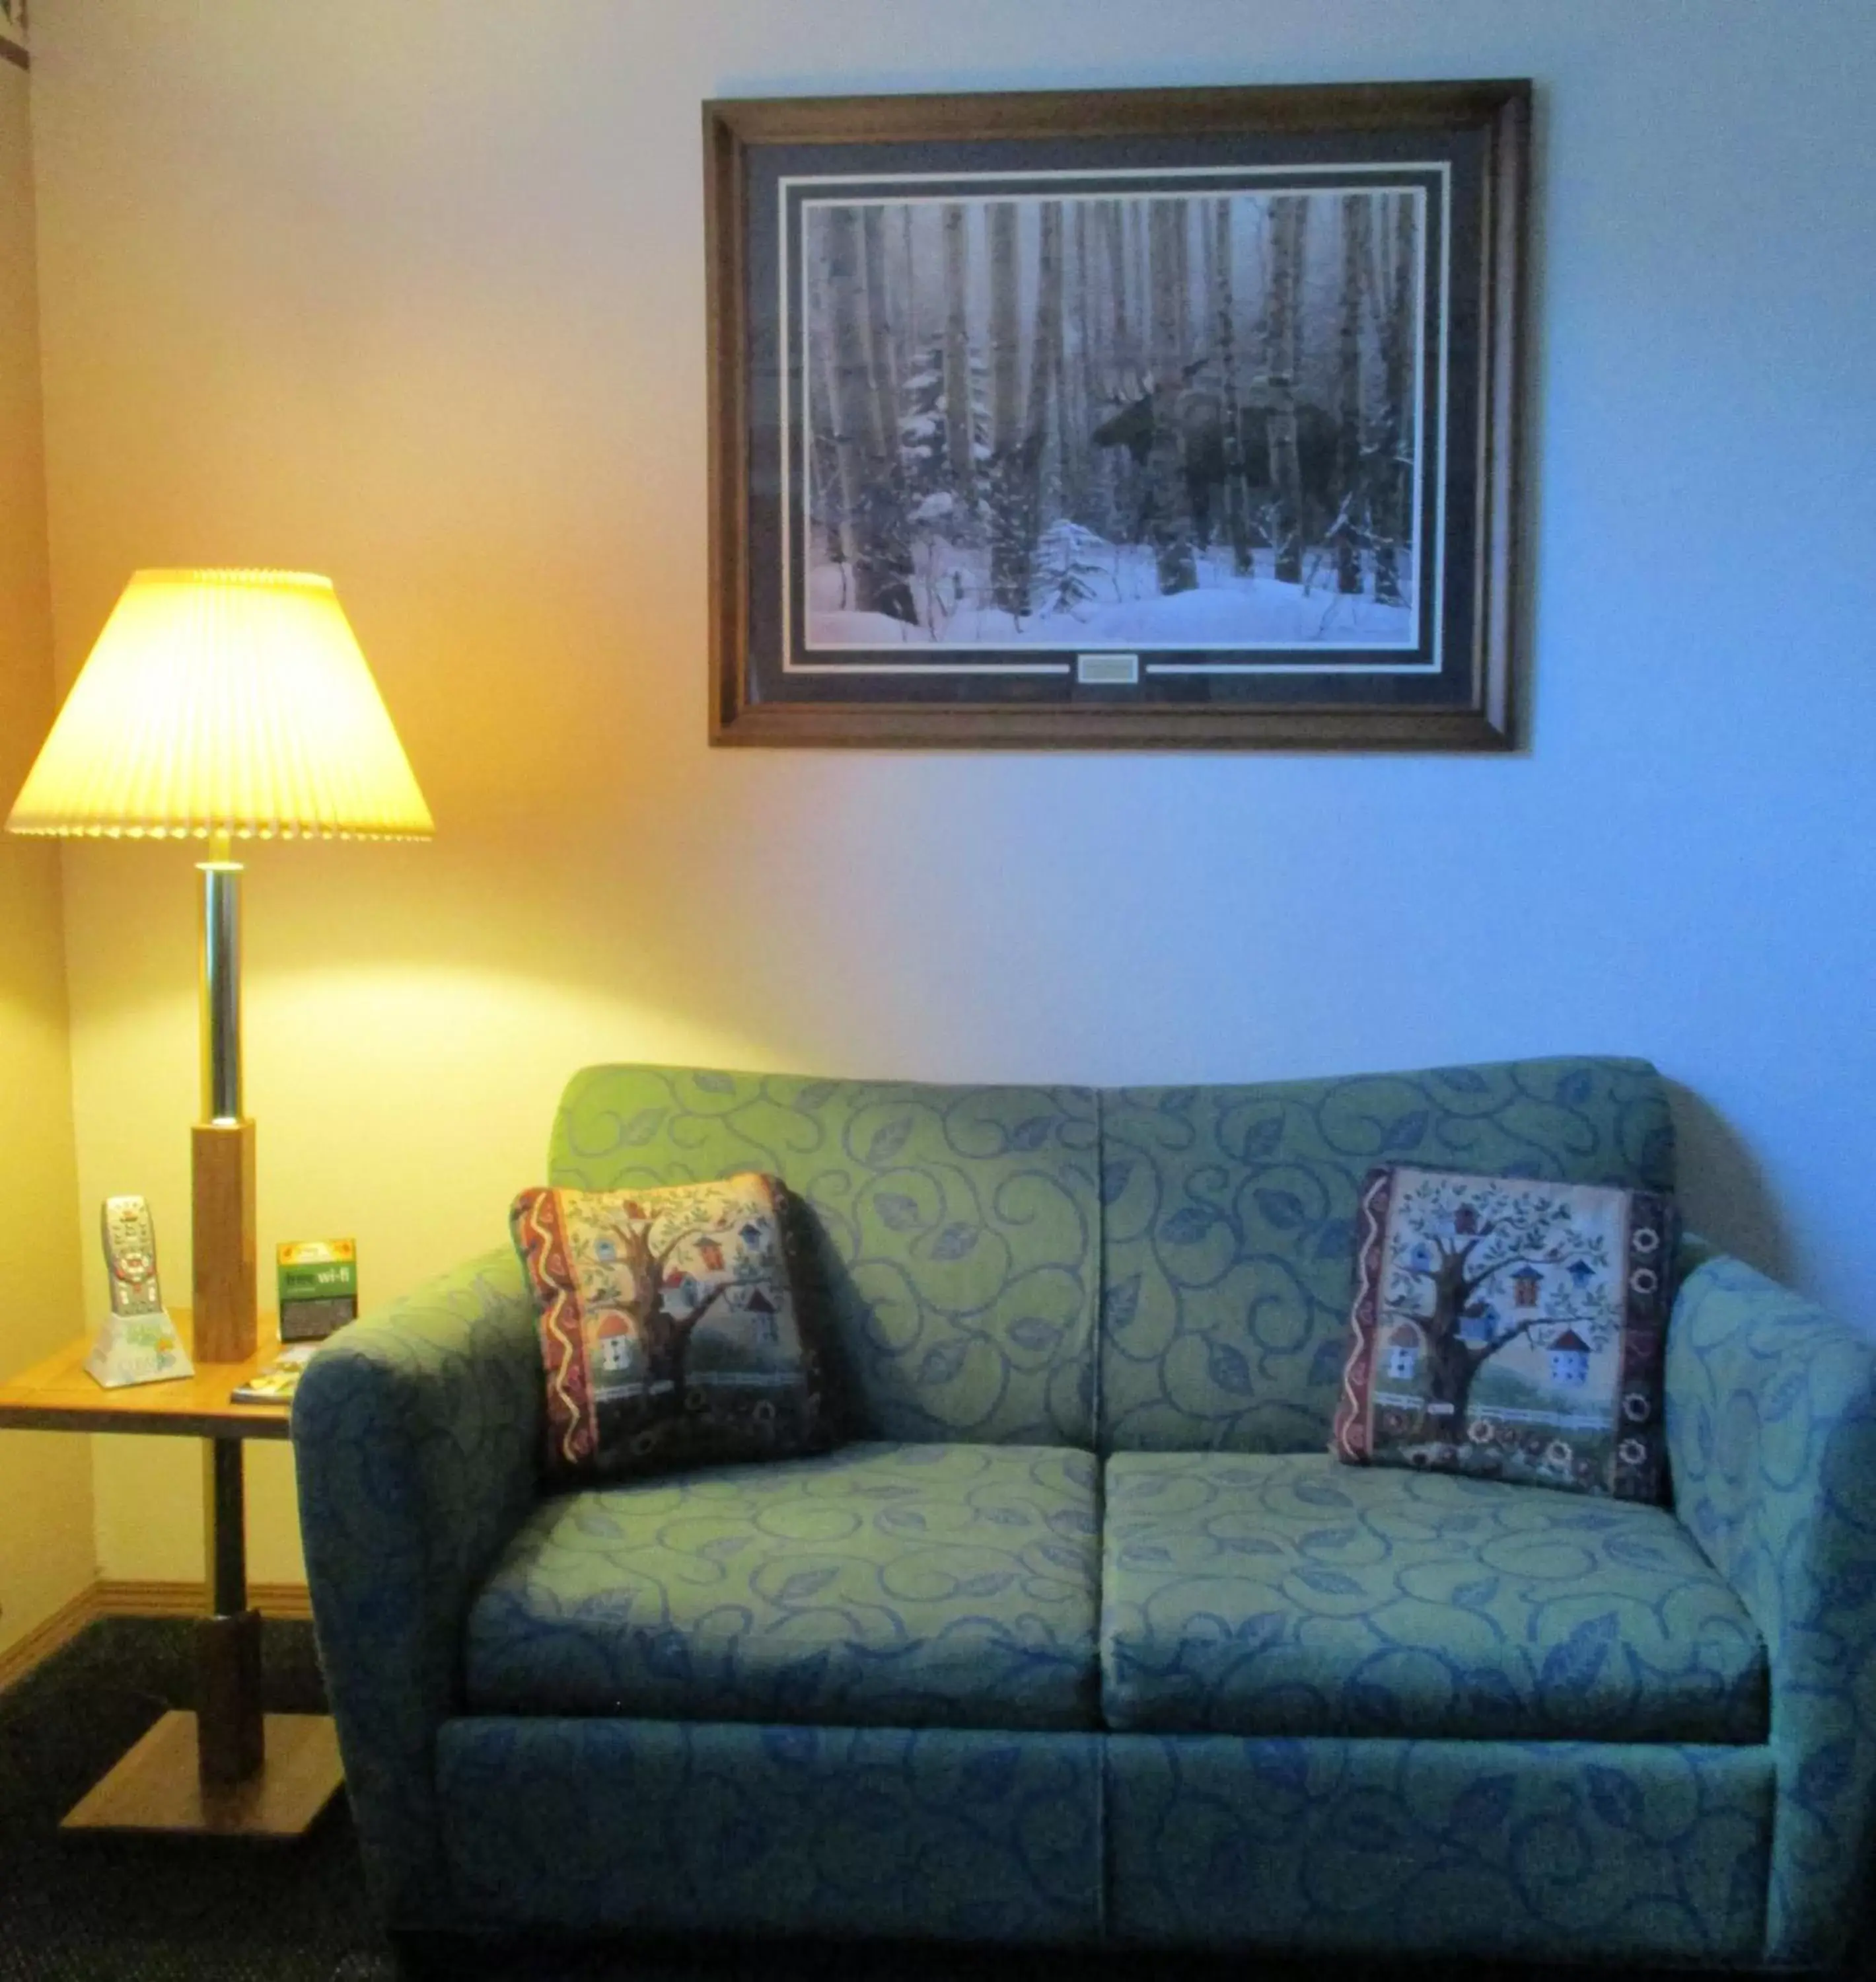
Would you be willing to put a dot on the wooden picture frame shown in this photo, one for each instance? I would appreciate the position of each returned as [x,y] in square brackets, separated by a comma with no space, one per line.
[1166,417]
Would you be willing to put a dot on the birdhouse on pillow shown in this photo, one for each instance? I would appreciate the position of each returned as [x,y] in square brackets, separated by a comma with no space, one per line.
[1569,1358]
[1479,1323]
[1525,1283]
[612,1343]
[1404,1351]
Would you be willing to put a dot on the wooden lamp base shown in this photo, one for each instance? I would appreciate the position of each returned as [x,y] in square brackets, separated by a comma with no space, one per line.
[158,1786]
[226,1252]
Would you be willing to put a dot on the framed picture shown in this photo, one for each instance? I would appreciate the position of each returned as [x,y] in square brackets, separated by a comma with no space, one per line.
[1167,418]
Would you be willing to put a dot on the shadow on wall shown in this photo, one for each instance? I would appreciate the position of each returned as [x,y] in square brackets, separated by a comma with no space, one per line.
[1723,1194]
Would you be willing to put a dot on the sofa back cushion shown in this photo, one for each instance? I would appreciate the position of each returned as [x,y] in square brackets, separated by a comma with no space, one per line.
[957,1245]
[1228,1224]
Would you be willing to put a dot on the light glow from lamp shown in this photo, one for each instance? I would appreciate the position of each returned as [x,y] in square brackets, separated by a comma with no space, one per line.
[224,705]
[224,701]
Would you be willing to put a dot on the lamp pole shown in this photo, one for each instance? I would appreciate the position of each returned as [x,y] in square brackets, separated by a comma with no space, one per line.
[220,982]
[222,1143]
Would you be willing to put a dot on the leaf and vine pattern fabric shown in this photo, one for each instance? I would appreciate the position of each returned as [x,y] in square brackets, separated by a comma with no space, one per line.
[1230,1224]
[416,1442]
[1283,1594]
[1771,1435]
[1509,1329]
[902,1585]
[1549,1851]
[1301,1705]
[672,1330]
[675,1826]
[956,1230]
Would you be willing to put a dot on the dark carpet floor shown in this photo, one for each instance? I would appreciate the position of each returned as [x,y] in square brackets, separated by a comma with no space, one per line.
[98,1909]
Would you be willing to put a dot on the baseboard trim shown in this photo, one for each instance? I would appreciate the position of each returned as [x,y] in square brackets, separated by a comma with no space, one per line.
[113,1596]
[116,1598]
[44,1640]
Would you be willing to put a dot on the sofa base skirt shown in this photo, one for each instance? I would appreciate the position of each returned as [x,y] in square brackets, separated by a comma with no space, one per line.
[1554,1850]
[1557,1850]
[736,1828]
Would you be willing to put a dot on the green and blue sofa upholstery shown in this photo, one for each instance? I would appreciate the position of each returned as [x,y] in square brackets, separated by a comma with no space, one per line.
[1082,1635]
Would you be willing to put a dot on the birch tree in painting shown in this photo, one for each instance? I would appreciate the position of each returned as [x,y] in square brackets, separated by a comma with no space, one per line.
[1288,232]
[1044,370]
[1171,512]
[1144,420]
[1395,291]
[960,448]
[871,509]
[1009,544]
[882,352]
[1122,359]
[1072,395]
[1349,511]
[1237,501]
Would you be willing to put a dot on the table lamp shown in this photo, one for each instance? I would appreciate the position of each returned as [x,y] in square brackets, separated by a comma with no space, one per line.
[223,705]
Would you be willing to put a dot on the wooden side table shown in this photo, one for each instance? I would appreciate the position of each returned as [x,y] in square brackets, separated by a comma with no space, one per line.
[229,1769]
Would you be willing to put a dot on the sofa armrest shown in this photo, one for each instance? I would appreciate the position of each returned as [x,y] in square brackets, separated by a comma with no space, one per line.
[416,1434]
[1771,1443]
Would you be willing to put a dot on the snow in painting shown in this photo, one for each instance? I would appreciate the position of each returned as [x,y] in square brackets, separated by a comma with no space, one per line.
[1157,422]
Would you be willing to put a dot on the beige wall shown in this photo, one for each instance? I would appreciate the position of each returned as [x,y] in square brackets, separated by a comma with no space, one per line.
[414,295]
[46,1550]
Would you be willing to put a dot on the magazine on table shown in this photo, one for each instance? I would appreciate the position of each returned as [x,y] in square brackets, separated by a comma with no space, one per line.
[275,1382]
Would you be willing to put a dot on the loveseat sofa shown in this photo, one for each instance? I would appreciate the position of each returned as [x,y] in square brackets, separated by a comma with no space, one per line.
[1083,1635]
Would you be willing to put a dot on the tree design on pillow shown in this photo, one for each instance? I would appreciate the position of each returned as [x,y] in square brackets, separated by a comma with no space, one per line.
[1509,1328]
[650,1282]
[670,1330]
[1473,1268]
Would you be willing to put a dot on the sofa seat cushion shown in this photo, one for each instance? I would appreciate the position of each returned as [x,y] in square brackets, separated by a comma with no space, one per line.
[898,1585]
[1287,1594]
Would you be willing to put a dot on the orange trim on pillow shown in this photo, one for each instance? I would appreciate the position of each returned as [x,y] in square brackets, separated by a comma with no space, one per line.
[1353,1429]
[563,1333]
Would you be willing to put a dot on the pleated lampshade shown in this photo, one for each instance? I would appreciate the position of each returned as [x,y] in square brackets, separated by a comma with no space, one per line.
[233,702]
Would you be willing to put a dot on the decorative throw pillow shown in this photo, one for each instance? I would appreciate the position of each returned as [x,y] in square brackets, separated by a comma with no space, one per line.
[672,1329]
[1510,1328]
